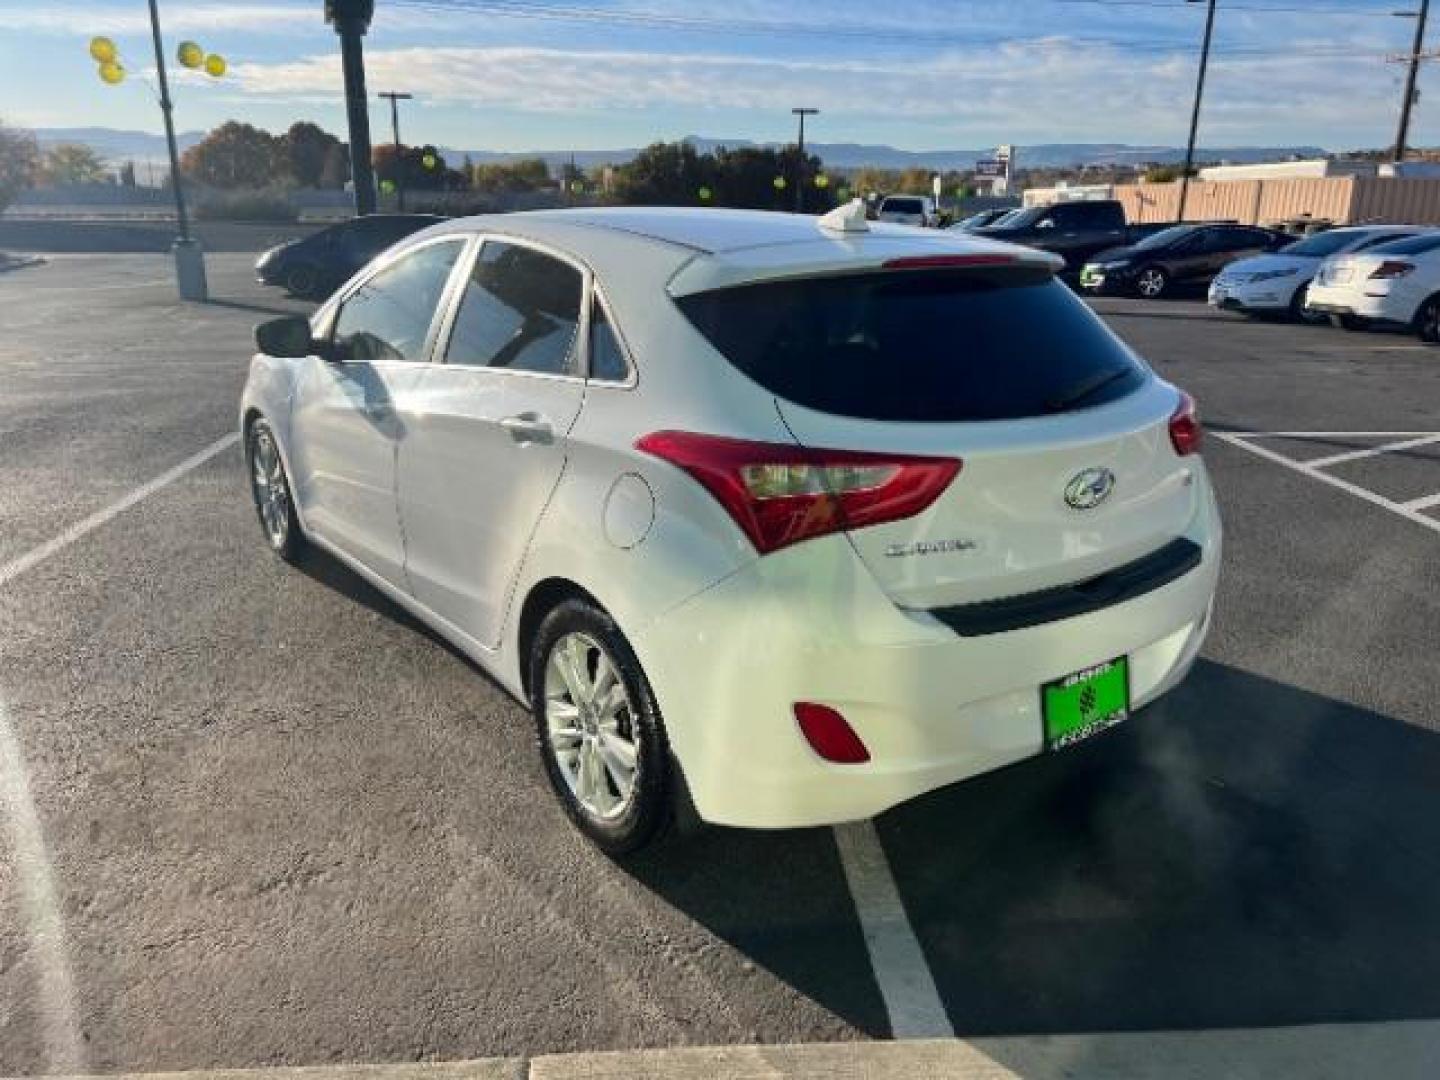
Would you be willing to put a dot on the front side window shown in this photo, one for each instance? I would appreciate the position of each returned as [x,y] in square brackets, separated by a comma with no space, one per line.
[388,318]
[520,311]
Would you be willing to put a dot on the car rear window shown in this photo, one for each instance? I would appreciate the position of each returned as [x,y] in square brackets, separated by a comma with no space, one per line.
[903,206]
[929,345]
[1416,245]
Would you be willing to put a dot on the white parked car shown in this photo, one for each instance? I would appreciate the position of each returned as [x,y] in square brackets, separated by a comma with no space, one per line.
[795,519]
[1398,283]
[1276,283]
[907,210]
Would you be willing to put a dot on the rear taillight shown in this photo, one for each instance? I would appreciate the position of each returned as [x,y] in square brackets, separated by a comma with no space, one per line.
[1391,268]
[938,262]
[781,494]
[830,734]
[1186,433]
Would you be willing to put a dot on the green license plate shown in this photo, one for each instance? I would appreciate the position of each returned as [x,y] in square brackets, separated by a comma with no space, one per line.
[1085,703]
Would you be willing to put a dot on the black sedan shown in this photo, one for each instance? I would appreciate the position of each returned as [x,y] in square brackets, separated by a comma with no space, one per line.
[1180,255]
[320,263]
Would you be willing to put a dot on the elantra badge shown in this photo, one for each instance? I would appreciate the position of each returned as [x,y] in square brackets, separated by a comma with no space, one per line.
[929,547]
[1088,489]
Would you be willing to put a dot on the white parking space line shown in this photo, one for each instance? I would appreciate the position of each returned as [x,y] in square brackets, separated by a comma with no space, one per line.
[906,985]
[55,999]
[1408,512]
[1373,451]
[35,556]
[1425,502]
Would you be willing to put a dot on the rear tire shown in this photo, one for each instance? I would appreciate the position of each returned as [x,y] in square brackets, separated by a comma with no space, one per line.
[1427,320]
[602,738]
[1152,282]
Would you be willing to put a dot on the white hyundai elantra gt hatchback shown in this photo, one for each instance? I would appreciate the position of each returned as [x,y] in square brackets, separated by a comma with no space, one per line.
[793,518]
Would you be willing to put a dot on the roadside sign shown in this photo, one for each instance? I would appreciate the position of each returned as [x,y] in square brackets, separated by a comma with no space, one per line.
[989,167]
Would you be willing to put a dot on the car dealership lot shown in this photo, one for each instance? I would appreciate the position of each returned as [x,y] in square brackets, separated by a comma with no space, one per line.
[257,816]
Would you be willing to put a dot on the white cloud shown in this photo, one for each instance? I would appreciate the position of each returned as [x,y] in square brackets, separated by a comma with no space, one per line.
[1037,89]
[190,18]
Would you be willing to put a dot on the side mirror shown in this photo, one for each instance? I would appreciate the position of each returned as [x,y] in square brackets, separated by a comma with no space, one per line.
[287,336]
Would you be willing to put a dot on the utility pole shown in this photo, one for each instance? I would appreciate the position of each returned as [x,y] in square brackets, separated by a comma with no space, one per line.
[1195,112]
[189,258]
[351,19]
[395,129]
[1403,135]
[800,164]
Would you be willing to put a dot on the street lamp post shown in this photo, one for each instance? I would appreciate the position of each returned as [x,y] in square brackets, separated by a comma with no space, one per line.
[1420,17]
[395,130]
[189,257]
[1195,112]
[351,19]
[800,164]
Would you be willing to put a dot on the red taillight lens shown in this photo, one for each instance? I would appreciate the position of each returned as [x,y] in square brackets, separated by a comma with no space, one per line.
[830,734]
[1186,432]
[933,262]
[1392,268]
[781,494]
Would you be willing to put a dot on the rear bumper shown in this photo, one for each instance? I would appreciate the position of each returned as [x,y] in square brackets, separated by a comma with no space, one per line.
[1266,296]
[932,707]
[1384,306]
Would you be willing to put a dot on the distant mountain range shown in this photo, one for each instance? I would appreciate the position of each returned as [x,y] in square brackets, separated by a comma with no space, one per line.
[117,145]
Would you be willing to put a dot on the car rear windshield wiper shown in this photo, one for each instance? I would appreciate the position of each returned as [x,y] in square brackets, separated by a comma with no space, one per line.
[1082,390]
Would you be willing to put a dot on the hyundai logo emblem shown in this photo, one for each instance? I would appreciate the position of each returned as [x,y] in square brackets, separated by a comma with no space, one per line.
[1088,489]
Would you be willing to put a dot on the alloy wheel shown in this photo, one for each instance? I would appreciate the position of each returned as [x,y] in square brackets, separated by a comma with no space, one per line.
[1151,283]
[591,726]
[272,495]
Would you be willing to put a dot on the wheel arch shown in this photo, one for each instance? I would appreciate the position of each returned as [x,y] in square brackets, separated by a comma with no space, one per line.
[544,597]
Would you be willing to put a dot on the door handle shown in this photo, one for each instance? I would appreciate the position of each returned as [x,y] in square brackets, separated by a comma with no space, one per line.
[529,427]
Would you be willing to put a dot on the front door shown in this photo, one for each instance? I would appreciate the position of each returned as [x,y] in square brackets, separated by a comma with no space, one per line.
[345,428]
[485,433]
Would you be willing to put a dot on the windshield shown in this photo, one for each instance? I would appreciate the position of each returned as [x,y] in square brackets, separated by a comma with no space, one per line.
[1322,244]
[936,346]
[1023,218]
[1414,245]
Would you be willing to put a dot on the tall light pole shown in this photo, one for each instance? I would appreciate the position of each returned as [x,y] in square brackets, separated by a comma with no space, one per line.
[395,130]
[800,164]
[1195,112]
[189,258]
[1403,135]
[351,18]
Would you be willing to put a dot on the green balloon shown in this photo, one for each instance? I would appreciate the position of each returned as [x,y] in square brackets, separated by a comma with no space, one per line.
[780,183]
[705,194]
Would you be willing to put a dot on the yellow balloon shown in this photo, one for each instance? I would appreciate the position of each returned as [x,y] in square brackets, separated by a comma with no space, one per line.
[779,183]
[102,49]
[112,73]
[215,65]
[190,55]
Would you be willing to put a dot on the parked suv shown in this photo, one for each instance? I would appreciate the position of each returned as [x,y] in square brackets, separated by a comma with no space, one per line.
[1181,254]
[800,518]
[907,210]
[317,265]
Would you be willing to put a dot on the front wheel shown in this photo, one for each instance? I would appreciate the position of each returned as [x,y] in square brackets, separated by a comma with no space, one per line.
[1299,312]
[602,738]
[1152,282]
[302,280]
[1427,320]
[270,488]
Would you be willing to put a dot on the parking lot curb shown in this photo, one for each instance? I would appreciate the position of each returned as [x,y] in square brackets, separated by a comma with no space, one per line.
[1395,1050]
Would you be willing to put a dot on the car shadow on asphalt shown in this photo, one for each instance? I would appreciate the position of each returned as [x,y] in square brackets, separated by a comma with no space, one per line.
[1244,853]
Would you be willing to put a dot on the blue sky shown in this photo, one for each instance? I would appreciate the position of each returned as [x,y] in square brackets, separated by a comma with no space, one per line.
[557,74]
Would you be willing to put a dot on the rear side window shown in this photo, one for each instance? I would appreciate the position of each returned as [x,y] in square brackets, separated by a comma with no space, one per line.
[607,356]
[1416,245]
[931,346]
[520,311]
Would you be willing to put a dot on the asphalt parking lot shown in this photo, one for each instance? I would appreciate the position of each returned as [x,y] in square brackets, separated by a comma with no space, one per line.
[252,816]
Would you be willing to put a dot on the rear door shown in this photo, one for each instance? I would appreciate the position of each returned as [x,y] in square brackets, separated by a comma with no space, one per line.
[1011,374]
[486,430]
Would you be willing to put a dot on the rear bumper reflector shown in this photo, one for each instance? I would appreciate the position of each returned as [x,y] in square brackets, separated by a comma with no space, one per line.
[1144,575]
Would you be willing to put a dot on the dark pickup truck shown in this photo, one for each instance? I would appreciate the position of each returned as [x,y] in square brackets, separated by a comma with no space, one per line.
[1073,230]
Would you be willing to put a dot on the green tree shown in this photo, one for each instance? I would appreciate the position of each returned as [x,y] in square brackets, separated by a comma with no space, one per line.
[234,155]
[70,163]
[306,149]
[528,174]
[19,158]
[665,174]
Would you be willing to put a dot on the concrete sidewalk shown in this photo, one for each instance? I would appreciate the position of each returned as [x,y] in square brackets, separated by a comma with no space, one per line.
[1399,1050]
